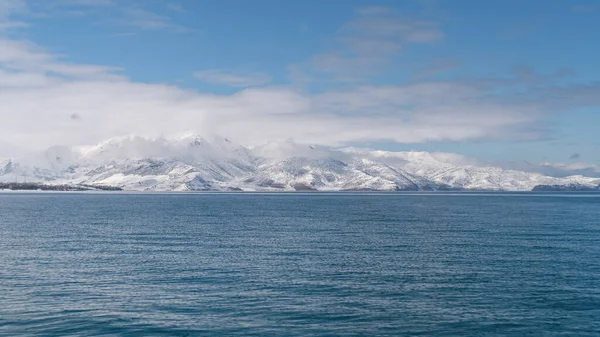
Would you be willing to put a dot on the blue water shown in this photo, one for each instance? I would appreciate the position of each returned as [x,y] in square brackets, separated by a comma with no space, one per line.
[299,264]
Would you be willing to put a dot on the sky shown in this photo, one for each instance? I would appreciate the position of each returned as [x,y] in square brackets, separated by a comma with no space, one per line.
[504,81]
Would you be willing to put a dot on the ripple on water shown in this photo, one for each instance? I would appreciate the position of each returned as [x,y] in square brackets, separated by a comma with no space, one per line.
[310,264]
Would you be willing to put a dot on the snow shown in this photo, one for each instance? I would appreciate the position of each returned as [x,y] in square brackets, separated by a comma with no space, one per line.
[192,162]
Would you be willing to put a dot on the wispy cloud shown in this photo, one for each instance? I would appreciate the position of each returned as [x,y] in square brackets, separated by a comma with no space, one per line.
[144,19]
[90,2]
[132,15]
[175,7]
[20,60]
[373,11]
[233,79]
[6,25]
[393,28]
[437,67]
[545,168]
[109,105]
[563,169]
[364,46]
[85,103]
[586,8]
[8,8]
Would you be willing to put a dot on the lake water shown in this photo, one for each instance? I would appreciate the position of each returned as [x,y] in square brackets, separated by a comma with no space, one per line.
[299,264]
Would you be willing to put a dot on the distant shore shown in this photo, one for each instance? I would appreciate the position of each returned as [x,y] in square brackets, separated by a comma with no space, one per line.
[38,187]
[64,187]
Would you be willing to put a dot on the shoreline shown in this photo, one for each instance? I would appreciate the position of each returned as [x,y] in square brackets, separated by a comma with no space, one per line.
[319,193]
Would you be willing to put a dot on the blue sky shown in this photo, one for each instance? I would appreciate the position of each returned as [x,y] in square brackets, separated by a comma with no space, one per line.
[496,80]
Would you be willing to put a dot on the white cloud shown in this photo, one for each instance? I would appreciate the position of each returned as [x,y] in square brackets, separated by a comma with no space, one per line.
[233,79]
[15,53]
[45,100]
[20,58]
[40,94]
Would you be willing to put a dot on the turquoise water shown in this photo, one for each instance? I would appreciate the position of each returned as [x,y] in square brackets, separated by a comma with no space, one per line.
[299,264]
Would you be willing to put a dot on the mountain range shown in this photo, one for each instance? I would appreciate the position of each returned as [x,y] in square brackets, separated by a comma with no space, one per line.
[194,163]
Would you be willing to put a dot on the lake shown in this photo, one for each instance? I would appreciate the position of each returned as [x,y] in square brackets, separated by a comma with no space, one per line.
[299,264]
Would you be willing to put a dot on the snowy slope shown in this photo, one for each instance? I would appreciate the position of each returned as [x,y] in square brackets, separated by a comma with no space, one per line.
[193,163]
[440,168]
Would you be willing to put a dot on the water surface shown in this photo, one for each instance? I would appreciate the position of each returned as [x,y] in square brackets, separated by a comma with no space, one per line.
[299,264]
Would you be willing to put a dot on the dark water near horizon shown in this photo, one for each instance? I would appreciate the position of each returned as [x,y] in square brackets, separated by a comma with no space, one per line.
[299,264]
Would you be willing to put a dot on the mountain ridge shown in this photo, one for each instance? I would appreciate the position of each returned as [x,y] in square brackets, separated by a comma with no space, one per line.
[195,163]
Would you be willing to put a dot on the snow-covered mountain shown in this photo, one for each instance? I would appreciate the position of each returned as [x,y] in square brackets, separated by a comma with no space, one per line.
[194,163]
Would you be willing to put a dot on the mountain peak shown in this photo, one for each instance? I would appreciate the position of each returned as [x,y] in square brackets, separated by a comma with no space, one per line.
[190,139]
[192,161]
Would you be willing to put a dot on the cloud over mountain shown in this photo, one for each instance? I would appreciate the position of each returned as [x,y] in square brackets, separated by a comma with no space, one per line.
[191,162]
[46,98]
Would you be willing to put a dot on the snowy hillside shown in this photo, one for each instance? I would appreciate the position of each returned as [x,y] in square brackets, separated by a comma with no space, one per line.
[194,163]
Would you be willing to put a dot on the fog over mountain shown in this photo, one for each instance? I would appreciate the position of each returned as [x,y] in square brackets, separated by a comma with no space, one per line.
[195,163]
